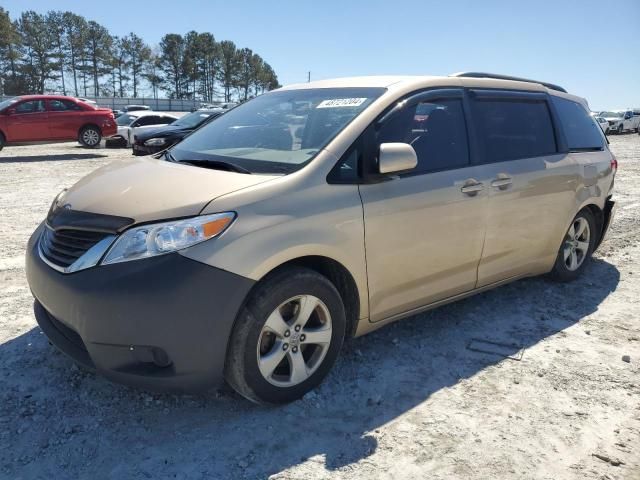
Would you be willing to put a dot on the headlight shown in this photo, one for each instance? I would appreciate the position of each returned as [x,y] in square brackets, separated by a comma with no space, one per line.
[160,238]
[155,142]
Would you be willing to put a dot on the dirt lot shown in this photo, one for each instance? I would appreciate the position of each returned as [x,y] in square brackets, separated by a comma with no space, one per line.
[409,401]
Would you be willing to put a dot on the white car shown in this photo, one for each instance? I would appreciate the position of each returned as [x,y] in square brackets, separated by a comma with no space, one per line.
[131,123]
[604,124]
[621,121]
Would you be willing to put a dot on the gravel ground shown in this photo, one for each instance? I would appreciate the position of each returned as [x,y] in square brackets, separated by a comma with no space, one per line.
[409,401]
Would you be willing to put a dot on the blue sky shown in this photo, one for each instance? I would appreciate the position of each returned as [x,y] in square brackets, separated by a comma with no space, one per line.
[592,48]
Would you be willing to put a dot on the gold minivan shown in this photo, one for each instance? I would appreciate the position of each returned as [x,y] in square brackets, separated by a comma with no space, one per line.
[250,250]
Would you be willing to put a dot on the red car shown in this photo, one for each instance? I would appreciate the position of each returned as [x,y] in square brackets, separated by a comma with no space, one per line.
[52,118]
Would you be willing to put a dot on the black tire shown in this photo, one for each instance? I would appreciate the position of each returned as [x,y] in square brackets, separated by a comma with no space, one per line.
[619,131]
[90,136]
[561,271]
[241,369]
[2,141]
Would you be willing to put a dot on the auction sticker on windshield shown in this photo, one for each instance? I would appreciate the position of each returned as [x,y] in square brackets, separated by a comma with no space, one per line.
[341,102]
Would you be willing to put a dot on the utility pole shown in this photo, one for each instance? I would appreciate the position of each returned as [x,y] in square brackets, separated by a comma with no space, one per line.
[308,77]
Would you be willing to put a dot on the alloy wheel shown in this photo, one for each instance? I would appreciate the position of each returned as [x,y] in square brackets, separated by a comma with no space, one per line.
[294,341]
[576,244]
[90,137]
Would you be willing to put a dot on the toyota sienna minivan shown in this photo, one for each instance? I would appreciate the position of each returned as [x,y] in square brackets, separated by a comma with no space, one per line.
[249,251]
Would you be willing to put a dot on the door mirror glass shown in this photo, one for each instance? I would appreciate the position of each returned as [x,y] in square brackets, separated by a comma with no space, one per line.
[396,158]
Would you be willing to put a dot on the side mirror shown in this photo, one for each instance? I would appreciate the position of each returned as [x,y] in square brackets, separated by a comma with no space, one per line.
[396,157]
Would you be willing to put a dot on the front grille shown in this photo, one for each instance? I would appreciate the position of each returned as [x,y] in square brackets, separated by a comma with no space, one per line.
[63,247]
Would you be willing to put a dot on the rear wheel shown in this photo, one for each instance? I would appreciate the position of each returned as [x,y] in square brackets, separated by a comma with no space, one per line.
[576,248]
[2,141]
[286,338]
[90,136]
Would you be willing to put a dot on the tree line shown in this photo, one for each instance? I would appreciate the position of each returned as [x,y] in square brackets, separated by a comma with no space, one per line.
[66,53]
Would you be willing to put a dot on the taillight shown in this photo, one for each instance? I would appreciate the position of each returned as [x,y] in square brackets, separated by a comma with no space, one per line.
[614,164]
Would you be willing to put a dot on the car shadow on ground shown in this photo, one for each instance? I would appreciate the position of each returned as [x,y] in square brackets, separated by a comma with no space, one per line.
[51,158]
[378,378]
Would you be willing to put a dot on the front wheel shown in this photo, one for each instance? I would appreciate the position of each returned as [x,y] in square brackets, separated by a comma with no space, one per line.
[619,129]
[576,248]
[286,338]
[2,141]
[90,136]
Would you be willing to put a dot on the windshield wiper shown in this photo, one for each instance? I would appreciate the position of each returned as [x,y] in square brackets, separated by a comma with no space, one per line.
[216,165]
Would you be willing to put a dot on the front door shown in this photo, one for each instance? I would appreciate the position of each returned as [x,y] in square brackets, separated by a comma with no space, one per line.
[424,229]
[28,122]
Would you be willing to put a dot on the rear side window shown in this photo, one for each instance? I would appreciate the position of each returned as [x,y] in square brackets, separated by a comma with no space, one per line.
[63,105]
[579,127]
[512,129]
[437,132]
[149,120]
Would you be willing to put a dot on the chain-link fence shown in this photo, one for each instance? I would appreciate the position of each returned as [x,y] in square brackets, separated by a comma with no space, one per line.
[160,104]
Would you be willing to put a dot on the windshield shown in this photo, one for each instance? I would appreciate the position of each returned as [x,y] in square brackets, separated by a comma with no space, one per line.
[612,114]
[4,104]
[125,119]
[277,132]
[191,120]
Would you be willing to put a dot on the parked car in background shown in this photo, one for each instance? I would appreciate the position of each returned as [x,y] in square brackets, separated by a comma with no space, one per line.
[52,118]
[157,139]
[604,124]
[131,123]
[621,121]
[117,113]
[136,108]
[259,245]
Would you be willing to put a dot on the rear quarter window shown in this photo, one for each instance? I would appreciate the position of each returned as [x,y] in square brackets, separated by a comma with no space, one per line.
[580,129]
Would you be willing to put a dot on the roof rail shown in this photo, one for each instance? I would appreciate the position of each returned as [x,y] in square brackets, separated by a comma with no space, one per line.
[506,77]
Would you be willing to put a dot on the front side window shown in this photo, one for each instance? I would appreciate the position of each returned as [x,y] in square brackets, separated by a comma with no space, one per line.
[436,130]
[278,132]
[579,128]
[31,106]
[513,129]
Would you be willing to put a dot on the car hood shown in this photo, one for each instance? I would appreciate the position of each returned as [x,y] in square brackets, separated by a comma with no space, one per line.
[147,189]
[615,119]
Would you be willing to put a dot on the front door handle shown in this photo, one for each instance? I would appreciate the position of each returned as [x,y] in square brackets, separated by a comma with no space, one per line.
[471,187]
[502,182]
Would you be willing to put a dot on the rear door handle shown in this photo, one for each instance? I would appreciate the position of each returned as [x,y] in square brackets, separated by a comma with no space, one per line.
[471,187]
[502,182]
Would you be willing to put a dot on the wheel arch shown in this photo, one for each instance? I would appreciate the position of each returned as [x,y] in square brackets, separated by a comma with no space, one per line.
[337,274]
[599,216]
[89,124]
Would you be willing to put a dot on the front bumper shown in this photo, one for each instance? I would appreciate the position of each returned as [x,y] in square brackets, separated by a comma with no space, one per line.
[160,323]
